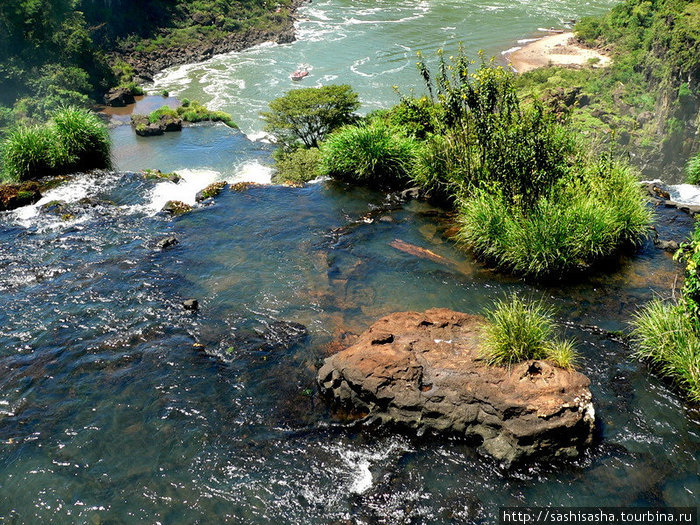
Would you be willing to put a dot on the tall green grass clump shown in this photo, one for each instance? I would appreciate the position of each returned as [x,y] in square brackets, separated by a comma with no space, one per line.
[692,170]
[667,337]
[372,154]
[74,139]
[518,330]
[571,229]
[29,152]
[84,137]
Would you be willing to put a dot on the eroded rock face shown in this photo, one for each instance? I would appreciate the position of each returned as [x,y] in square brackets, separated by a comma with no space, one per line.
[422,370]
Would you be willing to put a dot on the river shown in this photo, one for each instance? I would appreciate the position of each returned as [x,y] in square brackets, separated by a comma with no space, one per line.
[118,406]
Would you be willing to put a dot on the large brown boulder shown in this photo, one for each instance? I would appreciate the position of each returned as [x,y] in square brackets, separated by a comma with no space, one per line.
[423,371]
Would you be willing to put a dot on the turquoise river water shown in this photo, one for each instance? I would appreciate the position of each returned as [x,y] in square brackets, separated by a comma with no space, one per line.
[109,413]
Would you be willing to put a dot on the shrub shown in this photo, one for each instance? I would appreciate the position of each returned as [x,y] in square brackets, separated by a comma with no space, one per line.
[692,170]
[193,111]
[298,166]
[307,115]
[373,154]
[84,137]
[518,330]
[667,337]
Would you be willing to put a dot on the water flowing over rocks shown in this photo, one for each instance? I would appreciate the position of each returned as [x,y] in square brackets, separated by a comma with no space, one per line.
[423,371]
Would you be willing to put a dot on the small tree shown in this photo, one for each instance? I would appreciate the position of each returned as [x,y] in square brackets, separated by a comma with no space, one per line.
[308,114]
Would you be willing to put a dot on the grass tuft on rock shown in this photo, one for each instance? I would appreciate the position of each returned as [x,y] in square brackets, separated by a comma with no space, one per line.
[518,330]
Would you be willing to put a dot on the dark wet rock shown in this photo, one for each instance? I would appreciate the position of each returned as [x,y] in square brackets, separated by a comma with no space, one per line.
[176,208]
[422,371]
[157,174]
[119,97]
[16,195]
[657,190]
[210,191]
[167,243]
[689,209]
[55,207]
[669,246]
[169,123]
[191,304]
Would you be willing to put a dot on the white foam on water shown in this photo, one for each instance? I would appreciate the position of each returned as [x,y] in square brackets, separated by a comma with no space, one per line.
[261,136]
[685,193]
[360,462]
[72,191]
[185,190]
[194,180]
[253,171]
[511,50]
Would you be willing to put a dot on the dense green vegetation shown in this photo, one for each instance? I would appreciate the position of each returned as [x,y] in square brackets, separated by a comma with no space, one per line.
[74,139]
[52,52]
[530,199]
[297,167]
[648,101]
[692,170]
[47,59]
[157,24]
[518,330]
[667,334]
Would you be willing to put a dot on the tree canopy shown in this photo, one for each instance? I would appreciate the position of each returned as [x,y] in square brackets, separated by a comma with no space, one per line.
[308,114]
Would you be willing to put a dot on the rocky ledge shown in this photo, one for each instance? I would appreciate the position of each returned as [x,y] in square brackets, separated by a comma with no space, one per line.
[148,63]
[423,371]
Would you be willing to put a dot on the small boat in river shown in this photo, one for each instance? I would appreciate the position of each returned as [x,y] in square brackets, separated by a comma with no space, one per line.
[300,73]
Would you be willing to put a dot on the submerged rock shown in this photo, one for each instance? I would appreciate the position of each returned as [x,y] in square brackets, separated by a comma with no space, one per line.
[176,207]
[16,195]
[423,371]
[191,304]
[167,243]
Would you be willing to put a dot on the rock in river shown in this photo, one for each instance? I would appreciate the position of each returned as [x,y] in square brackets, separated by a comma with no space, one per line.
[423,371]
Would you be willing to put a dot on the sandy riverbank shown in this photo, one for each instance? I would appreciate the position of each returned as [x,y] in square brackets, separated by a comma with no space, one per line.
[557,50]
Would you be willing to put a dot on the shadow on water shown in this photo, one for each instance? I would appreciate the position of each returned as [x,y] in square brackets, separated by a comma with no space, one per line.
[118,405]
